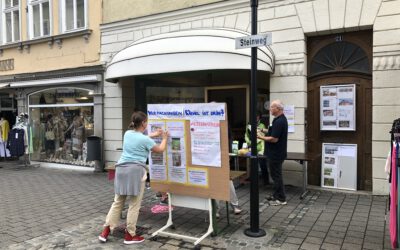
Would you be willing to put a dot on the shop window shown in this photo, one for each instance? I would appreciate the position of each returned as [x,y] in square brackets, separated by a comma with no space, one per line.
[11,20]
[174,95]
[340,57]
[61,120]
[39,18]
[74,14]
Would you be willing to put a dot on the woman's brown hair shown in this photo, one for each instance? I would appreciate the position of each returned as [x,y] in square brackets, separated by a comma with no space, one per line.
[137,119]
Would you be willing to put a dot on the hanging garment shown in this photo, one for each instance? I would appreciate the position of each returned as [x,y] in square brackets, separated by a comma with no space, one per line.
[393,201]
[5,129]
[398,192]
[16,142]
[4,152]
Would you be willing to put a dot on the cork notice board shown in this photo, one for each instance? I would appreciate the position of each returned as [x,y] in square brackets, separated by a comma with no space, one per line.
[218,177]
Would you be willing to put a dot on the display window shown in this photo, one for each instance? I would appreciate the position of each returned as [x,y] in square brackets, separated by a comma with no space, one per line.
[61,120]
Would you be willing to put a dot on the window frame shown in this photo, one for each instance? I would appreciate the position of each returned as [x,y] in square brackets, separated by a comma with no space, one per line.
[63,16]
[5,11]
[31,4]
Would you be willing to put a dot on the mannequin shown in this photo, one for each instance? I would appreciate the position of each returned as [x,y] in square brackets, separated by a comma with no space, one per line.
[77,129]
[50,137]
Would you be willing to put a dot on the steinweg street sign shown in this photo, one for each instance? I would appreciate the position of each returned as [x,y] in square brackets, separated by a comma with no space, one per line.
[253,41]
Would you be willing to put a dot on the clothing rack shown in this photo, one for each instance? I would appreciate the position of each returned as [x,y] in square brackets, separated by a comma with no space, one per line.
[22,124]
[394,179]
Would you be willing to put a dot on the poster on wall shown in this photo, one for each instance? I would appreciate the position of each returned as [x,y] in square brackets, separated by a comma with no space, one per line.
[206,145]
[289,113]
[338,107]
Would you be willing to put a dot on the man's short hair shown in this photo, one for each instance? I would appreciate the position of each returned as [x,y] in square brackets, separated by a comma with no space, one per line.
[278,104]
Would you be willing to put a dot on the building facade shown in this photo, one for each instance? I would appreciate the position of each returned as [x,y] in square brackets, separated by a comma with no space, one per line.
[50,69]
[320,50]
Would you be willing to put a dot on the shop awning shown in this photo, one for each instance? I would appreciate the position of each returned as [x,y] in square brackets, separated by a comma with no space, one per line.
[57,81]
[181,51]
[4,85]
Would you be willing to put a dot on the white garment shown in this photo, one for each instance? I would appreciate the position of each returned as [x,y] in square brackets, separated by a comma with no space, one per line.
[4,152]
[233,197]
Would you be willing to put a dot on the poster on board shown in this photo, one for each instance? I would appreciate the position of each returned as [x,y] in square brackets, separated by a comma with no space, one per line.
[176,151]
[205,141]
[157,161]
[338,107]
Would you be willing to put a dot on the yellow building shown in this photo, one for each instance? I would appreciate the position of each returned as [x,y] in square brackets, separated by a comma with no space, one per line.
[50,69]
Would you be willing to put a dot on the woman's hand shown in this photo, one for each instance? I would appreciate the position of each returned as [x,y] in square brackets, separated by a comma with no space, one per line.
[165,134]
[156,133]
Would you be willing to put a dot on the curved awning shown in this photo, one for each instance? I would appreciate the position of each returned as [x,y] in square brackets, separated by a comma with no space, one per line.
[181,51]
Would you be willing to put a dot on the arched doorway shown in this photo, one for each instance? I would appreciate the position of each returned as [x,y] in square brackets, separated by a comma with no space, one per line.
[340,60]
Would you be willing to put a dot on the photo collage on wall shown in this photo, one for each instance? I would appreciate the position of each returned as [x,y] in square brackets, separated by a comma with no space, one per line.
[338,107]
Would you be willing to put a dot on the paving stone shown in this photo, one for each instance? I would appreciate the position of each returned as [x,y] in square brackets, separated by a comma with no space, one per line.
[329,246]
[310,246]
[288,246]
[77,210]
[313,240]
[333,240]
[294,240]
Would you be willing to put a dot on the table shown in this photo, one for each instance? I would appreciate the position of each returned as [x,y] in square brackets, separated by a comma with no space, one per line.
[303,159]
[236,159]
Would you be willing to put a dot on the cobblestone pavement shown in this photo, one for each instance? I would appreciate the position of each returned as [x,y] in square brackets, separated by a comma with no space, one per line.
[62,209]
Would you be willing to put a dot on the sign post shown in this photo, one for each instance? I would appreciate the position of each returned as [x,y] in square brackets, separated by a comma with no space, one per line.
[254,230]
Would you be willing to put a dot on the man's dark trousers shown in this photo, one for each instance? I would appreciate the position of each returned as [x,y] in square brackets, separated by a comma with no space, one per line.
[275,168]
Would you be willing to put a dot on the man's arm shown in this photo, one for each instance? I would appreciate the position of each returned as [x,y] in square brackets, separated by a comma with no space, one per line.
[268,138]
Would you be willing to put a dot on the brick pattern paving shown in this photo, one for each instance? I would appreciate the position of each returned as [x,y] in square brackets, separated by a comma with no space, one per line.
[47,209]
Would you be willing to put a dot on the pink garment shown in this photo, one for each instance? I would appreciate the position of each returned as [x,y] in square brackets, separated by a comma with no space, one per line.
[393,202]
[158,209]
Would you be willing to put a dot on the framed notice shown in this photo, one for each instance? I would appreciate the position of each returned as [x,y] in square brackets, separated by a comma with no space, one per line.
[338,107]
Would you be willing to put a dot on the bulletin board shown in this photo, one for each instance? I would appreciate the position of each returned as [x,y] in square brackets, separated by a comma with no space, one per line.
[338,107]
[339,166]
[218,177]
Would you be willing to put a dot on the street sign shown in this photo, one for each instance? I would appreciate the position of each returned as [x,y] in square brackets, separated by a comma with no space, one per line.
[253,41]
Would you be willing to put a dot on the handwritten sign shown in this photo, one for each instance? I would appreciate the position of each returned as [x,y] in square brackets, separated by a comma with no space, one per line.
[187,111]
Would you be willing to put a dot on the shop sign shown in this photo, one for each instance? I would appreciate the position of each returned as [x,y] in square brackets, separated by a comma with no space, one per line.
[6,65]
[253,41]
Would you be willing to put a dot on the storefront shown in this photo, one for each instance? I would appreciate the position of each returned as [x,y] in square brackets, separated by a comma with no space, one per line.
[61,119]
[190,73]
[62,113]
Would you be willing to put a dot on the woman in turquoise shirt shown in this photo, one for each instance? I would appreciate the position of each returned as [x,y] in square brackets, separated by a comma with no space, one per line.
[130,177]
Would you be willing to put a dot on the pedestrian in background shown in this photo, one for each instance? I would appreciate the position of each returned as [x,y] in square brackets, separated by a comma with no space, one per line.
[130,177]
[260,148]
[276,151]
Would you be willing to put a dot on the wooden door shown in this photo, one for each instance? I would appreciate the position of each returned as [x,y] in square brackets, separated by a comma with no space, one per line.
[362,136]
[339,59]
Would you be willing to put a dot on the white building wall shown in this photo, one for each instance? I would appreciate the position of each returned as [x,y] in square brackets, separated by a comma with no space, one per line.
[290,23]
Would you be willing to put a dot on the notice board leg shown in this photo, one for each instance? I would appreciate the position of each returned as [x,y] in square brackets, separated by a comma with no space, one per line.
[169,222]
[208,207]
[210,227]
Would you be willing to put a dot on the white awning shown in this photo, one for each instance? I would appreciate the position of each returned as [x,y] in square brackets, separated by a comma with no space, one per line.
[190,50]
[57,81]
[4,85]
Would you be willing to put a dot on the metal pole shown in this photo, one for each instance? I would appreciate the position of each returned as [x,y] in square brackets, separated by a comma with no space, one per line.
[254,230]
